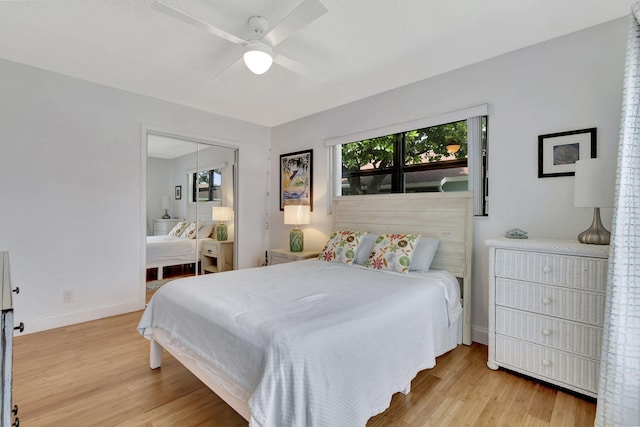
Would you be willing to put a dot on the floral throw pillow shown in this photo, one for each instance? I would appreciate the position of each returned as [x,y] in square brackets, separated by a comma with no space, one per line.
[393,252]
[178,229]
[342,247]
[191,231]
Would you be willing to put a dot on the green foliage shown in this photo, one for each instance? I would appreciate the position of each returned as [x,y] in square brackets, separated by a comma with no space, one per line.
[377,151]
[421,145]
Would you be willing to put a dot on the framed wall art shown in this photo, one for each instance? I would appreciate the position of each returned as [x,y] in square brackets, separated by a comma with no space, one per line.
[558,152]
[296,179]
[178,192]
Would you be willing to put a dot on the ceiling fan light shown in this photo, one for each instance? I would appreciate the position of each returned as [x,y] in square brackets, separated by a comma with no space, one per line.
[258,58]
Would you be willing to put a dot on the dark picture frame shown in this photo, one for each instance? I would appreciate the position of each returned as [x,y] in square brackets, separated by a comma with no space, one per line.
[178,192]
[296,179]
[558,152]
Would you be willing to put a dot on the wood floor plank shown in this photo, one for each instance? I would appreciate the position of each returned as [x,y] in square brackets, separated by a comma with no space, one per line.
[97,374]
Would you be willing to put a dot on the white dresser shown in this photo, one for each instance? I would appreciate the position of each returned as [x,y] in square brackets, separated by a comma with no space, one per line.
[162,227]
[546,308]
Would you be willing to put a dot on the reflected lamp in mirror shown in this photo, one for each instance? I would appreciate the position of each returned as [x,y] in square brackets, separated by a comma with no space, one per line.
[594,187]
[221,214]
[296,215]
[165,203]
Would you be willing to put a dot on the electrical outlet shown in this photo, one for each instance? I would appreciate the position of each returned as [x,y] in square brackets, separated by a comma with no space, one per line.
[68,296]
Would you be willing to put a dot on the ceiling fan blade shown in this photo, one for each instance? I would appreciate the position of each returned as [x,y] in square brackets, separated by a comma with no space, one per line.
[296,67]
[306,12]
[182,16]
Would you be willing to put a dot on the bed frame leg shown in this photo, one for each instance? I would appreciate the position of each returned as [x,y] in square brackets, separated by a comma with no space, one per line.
[155,354]
[407,389]
[160,273]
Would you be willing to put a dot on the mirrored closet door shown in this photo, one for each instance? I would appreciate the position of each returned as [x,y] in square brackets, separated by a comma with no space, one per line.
[190,194]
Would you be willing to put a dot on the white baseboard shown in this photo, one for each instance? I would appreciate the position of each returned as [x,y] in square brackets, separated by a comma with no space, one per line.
[85,315]
[480,335]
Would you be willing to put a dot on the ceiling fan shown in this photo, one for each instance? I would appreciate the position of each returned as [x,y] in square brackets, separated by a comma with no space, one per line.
[259,54]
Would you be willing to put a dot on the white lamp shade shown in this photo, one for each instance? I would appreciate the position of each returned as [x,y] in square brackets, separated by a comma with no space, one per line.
[258,57]
[165,203]
[297,214]
[221,213]
[595,183]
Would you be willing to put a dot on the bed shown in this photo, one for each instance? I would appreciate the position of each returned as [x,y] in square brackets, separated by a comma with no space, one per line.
[167,250]
[330,344]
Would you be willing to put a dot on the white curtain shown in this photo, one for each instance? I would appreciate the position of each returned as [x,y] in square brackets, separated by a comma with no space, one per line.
[619,389]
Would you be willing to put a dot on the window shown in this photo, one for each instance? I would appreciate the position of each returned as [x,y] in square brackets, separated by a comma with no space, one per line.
[438,157]
[206,185]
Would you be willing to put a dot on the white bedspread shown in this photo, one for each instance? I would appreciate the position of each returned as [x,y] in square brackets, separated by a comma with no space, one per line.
[312,343]
[167,247]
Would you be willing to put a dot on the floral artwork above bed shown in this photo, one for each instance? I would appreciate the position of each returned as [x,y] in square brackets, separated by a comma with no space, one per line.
[393,252]
[342,246]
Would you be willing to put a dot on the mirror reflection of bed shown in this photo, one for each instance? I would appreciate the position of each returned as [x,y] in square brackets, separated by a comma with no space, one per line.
[185,179]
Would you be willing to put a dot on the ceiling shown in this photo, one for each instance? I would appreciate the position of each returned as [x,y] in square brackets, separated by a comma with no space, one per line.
[357,49]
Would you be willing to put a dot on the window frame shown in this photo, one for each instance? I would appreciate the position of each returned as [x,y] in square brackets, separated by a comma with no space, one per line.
[193,176]
[476,161]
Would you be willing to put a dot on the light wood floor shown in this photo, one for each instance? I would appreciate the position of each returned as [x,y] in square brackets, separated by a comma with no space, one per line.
[97,374]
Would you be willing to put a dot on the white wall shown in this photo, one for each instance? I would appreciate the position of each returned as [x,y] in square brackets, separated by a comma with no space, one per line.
[569,83]
[71,197]
[158,184]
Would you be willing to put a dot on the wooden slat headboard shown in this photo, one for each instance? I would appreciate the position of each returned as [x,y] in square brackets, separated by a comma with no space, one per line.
[447,216]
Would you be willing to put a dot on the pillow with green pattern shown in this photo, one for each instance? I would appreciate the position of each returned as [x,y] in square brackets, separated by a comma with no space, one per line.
[342,247]
[393,252]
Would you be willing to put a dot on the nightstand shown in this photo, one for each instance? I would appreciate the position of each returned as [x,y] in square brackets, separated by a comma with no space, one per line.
[280,256]
[216,256]
[162,227]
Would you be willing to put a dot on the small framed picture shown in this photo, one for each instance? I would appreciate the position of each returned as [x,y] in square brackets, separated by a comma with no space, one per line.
[296,179]
[178,192]
[559,152]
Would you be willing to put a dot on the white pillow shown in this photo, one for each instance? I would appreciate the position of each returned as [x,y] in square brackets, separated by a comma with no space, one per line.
[205,230]
[365,248]
[424,253]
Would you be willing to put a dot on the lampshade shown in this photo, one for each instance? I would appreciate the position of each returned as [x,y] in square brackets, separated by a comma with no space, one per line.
[165,203]
[453,148]
[221,213]
[258,57]
[297,214]
[594,183]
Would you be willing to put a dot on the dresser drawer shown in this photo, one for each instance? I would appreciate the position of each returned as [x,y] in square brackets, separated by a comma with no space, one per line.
[571,271]
[210,250]
[581,339]
[564,369]
[555,301]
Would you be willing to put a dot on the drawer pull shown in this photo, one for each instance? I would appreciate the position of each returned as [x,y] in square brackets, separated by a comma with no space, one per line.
[546,301]
[546,362]
[546,269]
[209,250]
[546,332]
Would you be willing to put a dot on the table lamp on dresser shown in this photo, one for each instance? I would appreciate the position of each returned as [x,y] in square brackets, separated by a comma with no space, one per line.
[296,215]
[165,203]
[594,188]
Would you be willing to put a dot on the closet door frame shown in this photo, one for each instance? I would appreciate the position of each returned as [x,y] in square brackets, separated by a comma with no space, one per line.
[198,139]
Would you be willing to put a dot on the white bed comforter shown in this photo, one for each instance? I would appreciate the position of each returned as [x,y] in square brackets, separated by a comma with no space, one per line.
[166,247]
[312,343]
